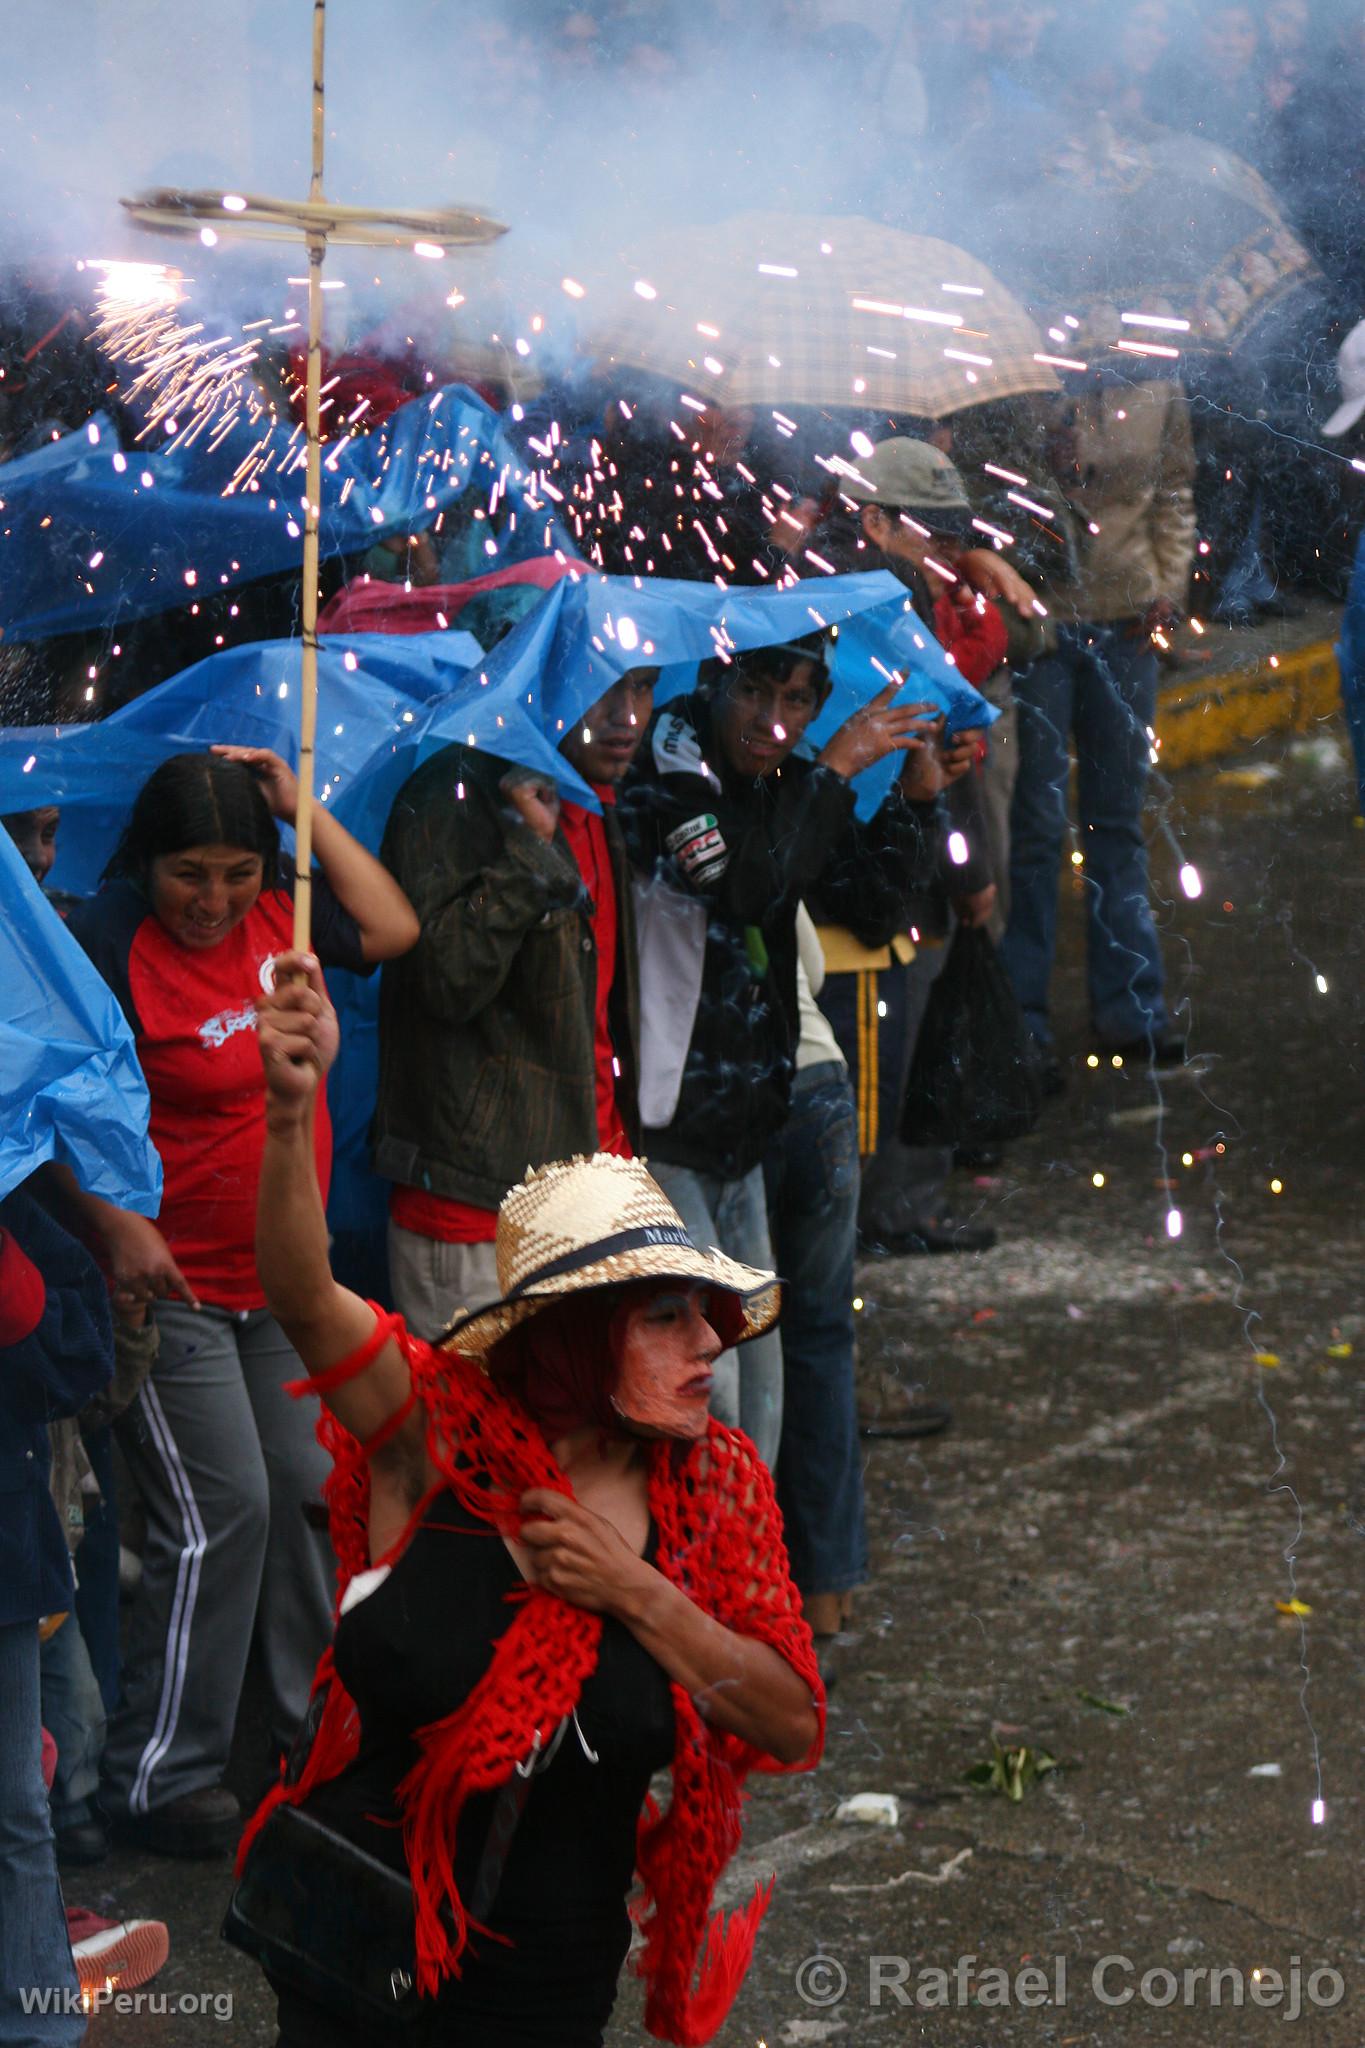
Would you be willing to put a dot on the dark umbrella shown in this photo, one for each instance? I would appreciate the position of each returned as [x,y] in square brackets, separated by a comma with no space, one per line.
[1125,231]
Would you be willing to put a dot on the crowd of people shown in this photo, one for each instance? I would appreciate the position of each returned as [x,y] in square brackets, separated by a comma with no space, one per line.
[722,972]
[639,1061]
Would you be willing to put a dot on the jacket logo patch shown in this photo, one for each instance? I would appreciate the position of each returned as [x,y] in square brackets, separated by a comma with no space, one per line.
[677,750]
[699,849]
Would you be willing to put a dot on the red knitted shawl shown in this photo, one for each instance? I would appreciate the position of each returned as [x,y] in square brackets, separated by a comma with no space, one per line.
[720,1542]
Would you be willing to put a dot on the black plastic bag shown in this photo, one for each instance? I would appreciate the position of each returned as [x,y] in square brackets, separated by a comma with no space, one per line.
[975,1078]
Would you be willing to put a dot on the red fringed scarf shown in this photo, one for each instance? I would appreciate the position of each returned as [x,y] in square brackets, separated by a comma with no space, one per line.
[719,1542]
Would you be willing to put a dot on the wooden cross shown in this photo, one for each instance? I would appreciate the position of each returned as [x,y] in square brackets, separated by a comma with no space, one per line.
[318,221]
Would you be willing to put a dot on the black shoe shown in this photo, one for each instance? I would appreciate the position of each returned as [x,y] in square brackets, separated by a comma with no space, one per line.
[1278,606]
[913,1419]
[943,1234]
[84,1843]
[978,1158]
[1167,1049]
[199,1825]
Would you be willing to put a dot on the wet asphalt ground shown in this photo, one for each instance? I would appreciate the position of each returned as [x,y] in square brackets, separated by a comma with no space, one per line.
[1155,1451]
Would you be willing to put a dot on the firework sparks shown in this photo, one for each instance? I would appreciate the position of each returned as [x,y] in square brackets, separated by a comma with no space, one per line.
[182,381]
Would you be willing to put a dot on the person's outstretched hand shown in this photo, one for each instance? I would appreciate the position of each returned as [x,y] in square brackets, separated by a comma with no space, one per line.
[298,1033]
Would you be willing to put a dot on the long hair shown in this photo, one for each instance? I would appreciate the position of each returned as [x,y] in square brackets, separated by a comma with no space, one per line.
[196,800]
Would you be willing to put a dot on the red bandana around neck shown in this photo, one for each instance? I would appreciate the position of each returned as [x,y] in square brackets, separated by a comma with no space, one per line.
[719,1542]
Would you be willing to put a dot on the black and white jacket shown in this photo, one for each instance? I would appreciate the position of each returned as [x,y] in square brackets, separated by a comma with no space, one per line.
[749,849]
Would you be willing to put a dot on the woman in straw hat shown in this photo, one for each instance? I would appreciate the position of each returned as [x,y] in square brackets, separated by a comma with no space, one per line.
[559,1576]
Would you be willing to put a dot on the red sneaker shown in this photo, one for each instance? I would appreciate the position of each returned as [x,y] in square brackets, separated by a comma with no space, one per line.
[122,1953]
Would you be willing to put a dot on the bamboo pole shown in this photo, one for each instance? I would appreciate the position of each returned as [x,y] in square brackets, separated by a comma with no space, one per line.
[176,212]
[308,707]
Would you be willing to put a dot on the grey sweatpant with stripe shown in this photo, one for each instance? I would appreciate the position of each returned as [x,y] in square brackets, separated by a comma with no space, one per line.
[225,1461]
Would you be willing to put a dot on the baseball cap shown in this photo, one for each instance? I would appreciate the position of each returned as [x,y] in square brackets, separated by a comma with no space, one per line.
[905,475]
[1351,378]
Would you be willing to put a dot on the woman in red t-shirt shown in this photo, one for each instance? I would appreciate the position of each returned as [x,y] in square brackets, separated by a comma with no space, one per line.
[195,907]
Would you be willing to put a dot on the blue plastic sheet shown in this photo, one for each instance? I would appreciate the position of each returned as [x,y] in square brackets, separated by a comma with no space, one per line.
[1351,661]
[70,1085]
[879,636]
[92,533]
[387,702]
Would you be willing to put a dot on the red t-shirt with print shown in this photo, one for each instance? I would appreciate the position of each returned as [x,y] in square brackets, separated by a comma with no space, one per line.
[192,1015]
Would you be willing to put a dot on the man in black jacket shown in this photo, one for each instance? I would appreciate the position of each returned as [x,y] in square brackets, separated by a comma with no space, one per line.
[509,1035]
[727,829]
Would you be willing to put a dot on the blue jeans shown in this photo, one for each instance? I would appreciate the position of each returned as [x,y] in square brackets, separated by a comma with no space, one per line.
[812,1179]
[35,1954]
[732,1215]
[1100,687]
[73,1715]
[97,1583]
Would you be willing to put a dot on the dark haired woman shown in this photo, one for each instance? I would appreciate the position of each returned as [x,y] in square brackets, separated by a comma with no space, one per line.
[197,903]
[560,1577]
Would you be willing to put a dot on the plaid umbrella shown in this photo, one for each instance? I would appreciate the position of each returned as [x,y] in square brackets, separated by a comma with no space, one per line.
[781,309]
[1178,234]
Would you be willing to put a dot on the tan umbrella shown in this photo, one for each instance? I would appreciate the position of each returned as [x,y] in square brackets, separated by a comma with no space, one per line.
[778,309]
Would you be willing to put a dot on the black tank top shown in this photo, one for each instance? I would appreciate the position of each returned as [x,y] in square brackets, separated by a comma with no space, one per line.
[409,1654]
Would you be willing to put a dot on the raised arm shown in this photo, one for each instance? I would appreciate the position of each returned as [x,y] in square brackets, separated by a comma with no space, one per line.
[386,921]
[324,1321]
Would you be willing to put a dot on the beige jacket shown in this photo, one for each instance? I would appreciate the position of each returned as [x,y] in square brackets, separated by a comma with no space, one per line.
[1135,483]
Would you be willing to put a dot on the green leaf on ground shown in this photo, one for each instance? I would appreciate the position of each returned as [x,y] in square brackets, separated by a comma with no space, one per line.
[1092,1699]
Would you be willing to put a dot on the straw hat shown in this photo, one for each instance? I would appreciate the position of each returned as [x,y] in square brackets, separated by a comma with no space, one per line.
[602,1222]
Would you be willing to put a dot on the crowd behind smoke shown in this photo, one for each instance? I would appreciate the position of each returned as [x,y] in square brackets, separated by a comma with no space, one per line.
[594,131]
[585,125]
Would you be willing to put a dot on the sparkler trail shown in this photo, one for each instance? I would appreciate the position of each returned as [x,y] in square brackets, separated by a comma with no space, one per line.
[182,383]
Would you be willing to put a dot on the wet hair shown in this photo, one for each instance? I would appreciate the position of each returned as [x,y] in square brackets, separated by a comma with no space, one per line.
[196,800]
